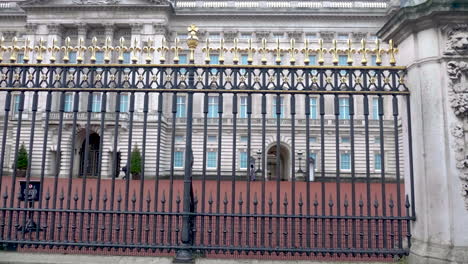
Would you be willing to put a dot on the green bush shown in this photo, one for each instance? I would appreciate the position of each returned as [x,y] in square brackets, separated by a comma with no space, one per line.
[22,161]
[135,161]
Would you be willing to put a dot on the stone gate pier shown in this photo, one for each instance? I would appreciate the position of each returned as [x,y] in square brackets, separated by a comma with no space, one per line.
[432,37]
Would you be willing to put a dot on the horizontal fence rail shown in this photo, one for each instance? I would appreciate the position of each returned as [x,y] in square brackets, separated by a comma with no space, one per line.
[250,160]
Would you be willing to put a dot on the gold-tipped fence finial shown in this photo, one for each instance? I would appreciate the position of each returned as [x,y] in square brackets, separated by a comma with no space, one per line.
[176,49]
[40,48]
[235,51]
[378,51]
[292,51]
[363,51]
[81,48]
[26,50]
[93,49]
[148,50]
[392,50]
[192,41]
[139,51]
[13,49]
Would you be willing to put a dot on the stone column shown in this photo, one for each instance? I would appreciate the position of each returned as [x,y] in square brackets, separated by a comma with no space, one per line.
[433,41]
[82,30]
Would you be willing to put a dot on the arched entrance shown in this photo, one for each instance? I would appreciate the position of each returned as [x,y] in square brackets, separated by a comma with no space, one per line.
[284,164]
[93,156]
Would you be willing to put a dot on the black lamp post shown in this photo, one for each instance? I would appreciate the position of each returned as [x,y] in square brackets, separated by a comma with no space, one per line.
[299,156]
[259,154]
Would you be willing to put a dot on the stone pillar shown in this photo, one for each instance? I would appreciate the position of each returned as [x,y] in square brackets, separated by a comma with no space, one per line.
[82,30]
[433,41]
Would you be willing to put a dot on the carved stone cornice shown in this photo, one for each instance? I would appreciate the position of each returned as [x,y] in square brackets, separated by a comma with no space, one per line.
[54,29]
[262,34]
[9,35]
[229,36]
[327,36]
[160,29]
[31,28]
[297,35]
[96,2]
[358,36]
[458,98]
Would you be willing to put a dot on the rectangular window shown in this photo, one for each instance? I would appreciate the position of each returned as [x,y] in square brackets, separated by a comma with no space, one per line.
[181,110]
[213,106]
[278,35]
[182,36]
[214,59]
[311,36]
[183,60]
[243,107]
[211,159]
[244,60]
[243,160]
[212,139]
[312,140]
[313,108]
[245,35]
[215,36]
[342,61]
[313,159]
[373,60]
[72,57]
[345,140]
[313,60]
[377,140]
[96,106]
[344,108]
[345,161]
[281,107]
[375,108]
[126,58]
[179,139]
[123,103]
[178,159]
[68,107]
[377,162]
[20,58]
[343,36]
[244,139]
[16,102]
[99,57]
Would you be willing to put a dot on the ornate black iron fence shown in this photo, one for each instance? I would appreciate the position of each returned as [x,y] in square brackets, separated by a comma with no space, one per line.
[222,159]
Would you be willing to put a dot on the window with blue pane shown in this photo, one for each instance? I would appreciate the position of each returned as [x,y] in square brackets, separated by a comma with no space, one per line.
[68,107]
[183,60]
[313,108]
[96,106]
[243,160]
[373,60]
[16,102]
[342,61]
[243,107]
[344,108]
[281,107]
[345,140]
[313,159]
[126,58]
[313,61]
[72,57]
[181,110]
[178,159]
[214,59]
[211,159]
[312,140]
[99,57]
[345,161]
[213,106]
[20,58]
[377,162]
[375,108]
[244,60]
[124,103]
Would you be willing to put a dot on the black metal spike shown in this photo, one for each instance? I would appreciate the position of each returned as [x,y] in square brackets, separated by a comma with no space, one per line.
[225,201]
[104,197]
[47,196]
[255,199]
[90,196]
[300,203]
[134,197]
[148,197]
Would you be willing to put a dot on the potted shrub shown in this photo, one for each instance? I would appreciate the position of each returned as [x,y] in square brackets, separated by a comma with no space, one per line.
[22,161]
[135,163]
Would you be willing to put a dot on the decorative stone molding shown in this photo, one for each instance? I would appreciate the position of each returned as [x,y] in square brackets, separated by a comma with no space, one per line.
[96,2]
[109,30]
[229,36]
[458,98]
[358,36]
[160,29]
[136,28]
[297,35]
[327,36]
[31,28]
[54,29]
[9,35]
[457,39]
[262,34]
